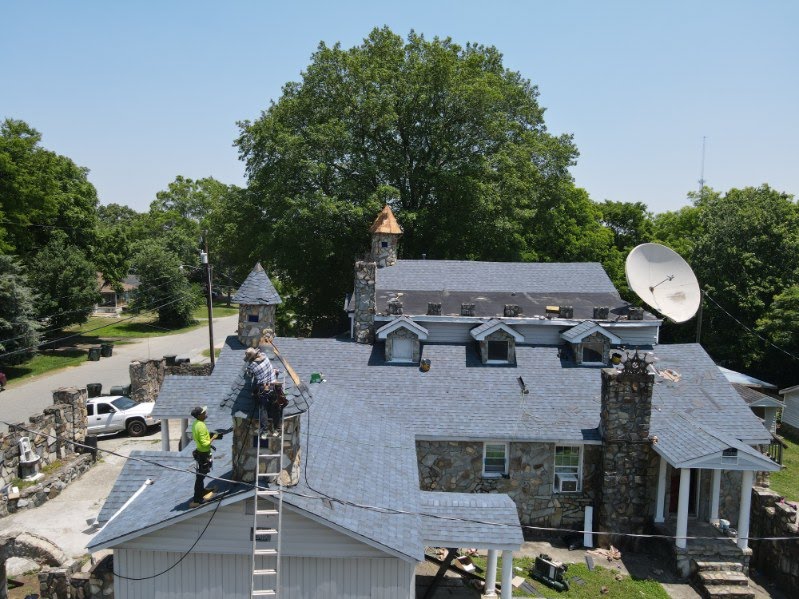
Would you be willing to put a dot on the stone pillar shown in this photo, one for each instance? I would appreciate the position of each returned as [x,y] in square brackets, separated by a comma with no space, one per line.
[74,415]
[661,496]
[626,406]
[245,437]
[715,491]
[146,379]
[384,249]
[746,504]
[364,300]
[254,321]
[507,574]
[682,508]
[164,435]
[491,575]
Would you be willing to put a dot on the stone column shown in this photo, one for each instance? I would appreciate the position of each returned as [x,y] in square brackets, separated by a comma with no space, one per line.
[507,574]
[746,504]
[164,435]
[661,496]
[364,302]
[146,379]
[715,491]
[491,575]
[682,508]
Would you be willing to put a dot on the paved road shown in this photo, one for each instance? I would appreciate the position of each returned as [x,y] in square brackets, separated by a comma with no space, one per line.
[18,402]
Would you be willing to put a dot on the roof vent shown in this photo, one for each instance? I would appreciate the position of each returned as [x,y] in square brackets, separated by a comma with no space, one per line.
[395,306]
[601,312]
[434,308]
[635,313]
[512,310]
[467,309]
[566,312]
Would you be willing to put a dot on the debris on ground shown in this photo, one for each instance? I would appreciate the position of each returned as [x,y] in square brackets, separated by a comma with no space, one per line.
[610,554]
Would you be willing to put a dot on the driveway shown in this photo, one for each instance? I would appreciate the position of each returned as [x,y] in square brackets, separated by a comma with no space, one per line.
[18,402]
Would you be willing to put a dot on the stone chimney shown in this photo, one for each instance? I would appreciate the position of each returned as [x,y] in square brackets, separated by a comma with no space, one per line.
[245,448]
[385,238]
[258,300]
[628,468]
[365,290]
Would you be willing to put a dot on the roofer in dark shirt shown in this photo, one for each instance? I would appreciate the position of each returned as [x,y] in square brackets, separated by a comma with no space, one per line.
[266,390]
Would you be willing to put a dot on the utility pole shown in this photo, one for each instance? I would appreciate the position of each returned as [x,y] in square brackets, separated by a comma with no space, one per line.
[699,317]
[208,296]
[702,175]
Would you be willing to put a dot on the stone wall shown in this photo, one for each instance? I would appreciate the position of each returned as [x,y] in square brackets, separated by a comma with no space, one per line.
[499,335]
[778,560]
[403,333]
[594,340]
[49,486]
[364,302]
[457,466]
[146,377]
[245,437]
[250,333]
[385,256]
[628,468]
[52,431]
[71,582]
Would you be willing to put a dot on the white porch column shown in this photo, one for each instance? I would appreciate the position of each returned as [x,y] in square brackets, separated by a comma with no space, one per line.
[682,508]
[746,504]
[770,420]
[491,574]
[714,495]
[164,434]
[184,426]
[661,496]
[507,574]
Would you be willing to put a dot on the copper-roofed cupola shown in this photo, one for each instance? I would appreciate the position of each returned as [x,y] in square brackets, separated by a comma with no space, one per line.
[385,238]
[257,299]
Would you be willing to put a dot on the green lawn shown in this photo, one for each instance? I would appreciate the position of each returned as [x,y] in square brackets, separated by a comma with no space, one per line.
[45,362]
[585,583]
[220,309]
[786,482]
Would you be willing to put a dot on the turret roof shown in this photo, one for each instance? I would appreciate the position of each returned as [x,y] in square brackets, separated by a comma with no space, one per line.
[386,223]
[257,289]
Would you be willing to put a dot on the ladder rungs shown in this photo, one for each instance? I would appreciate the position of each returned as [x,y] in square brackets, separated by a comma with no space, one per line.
[268,493]
[266,512]
[265,552]
[269,474]
[264,593]
[265,572]
[270,455]
[266,531]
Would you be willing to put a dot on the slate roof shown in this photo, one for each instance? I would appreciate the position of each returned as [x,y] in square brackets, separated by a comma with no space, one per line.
[755,398]
[744,379]
[257,289]
[579,332]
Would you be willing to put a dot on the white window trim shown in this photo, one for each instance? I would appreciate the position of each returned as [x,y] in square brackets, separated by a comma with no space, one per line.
[579,469]
[507,351]
[396,360]
[507,460]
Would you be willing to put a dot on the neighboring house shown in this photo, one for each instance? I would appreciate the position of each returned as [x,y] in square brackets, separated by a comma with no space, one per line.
[472,397]
[790,413]
[758,395]
[113,302]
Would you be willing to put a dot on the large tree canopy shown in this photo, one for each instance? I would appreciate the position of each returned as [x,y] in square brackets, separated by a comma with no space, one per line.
[18,328]
[450,138]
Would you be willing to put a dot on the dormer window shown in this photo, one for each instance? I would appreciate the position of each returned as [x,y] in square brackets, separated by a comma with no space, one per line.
[403,339]
[593,353]
[497,342]
[590,342]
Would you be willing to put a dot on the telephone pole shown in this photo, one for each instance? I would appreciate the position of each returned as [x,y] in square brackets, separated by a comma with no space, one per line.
[208,296]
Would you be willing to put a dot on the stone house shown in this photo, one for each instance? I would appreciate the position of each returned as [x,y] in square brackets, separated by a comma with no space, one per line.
[470,398]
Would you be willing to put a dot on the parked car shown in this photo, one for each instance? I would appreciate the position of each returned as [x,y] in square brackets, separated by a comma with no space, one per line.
[114,413]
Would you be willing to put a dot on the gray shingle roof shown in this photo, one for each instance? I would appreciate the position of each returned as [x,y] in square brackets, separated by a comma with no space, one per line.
[754,398]
[450,519]
[257,289]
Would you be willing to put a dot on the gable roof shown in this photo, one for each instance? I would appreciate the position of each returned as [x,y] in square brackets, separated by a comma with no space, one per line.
[481,332]
[402,322]
[257,289]
[756,399]
[579,332]
[386,223]
[744,379]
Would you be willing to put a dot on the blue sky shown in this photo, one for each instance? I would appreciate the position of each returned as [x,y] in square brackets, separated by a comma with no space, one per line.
[141,92]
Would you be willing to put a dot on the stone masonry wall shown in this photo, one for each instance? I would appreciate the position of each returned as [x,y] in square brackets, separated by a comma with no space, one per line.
[250,333]
[384,256]
[76,582]
[245,435]
[146,377]
[778,560]
[628,472]
[403,333]
[457,466]
[498,336]
[364,314]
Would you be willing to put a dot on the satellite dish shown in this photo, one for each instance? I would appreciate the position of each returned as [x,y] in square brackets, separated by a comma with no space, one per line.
[662,279]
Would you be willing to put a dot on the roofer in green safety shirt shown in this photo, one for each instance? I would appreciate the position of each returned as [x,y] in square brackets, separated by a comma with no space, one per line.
[202,455]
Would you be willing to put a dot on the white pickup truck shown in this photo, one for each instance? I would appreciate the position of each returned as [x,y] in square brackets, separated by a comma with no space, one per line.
[114,413]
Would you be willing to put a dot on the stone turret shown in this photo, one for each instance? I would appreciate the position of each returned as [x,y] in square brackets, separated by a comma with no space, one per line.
[258,300]
[628,470]
[385,238]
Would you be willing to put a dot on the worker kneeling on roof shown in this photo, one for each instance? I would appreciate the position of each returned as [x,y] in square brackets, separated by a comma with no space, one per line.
[202,455]
[267,390]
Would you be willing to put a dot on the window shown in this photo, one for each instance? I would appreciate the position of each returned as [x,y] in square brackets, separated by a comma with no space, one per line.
[384,244]
[729,456]
[568,468]
[401,349]
[593,353]
[104,408]
[497,351]
[252,318]
[495,459]
[90,410]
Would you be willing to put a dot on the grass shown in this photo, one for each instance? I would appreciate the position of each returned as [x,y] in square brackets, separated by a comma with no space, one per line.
[220,310]
[624,587]
[45,362]
[207,352]
[786,481]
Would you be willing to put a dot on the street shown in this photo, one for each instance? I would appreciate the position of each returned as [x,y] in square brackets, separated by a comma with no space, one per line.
[20,401]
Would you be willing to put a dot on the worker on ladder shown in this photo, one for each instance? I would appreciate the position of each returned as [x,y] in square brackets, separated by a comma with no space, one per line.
[266,391]
[202,455]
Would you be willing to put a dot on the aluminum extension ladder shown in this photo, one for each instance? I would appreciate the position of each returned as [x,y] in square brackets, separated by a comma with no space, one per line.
[267,517]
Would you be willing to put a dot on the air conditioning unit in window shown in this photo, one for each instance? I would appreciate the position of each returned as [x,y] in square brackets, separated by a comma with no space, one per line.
[566,483]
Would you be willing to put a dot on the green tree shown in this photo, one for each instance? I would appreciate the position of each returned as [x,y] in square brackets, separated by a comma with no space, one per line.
[39,187]
[164,287]
[65,282]
[780,325]
[450,138]
[630,222]
[19,331]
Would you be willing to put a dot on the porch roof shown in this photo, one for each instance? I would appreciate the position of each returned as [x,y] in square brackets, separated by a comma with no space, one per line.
[684,443]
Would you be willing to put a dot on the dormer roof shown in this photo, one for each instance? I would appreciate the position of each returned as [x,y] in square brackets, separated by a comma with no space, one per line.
[405,323]
[586,328]
[493,325]
[386,223]
[257,289]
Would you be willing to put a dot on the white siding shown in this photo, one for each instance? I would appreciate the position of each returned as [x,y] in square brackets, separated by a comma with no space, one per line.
[538,334]
[790,413]
[448,332]
[211,576]
[636,335]
[229,533]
